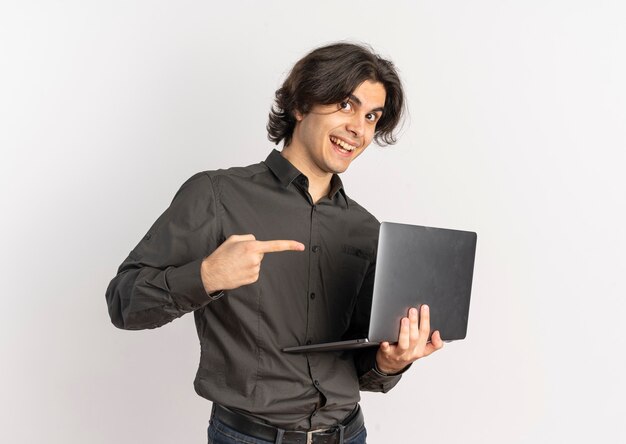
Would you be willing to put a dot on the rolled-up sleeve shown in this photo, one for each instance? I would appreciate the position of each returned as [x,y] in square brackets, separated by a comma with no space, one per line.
[160,279]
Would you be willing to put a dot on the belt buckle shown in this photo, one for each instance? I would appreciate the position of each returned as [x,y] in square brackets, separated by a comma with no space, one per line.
[309,435]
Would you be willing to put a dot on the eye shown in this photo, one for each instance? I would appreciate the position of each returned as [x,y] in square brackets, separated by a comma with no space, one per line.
[345,106]
[372,117]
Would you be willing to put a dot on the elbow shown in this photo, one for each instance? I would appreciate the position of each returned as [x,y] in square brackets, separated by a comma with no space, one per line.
[134,322]
[127,312]
[142,320]
[118,319]
[118,311]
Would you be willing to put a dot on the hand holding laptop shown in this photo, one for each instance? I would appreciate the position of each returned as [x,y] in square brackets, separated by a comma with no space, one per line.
[412,345]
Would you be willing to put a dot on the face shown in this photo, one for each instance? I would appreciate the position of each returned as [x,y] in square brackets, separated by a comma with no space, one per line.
[329,137]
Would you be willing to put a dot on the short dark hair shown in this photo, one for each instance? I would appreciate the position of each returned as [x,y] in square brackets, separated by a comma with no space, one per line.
[328,75]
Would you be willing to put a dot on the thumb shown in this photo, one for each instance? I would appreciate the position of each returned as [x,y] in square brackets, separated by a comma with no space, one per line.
[240,238]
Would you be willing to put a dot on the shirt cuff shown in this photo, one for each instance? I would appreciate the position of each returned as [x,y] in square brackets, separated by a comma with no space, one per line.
[374,380]
[216,295]
[377,370]
[186,288]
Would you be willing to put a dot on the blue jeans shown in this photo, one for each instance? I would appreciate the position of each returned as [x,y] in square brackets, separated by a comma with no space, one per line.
[220,433]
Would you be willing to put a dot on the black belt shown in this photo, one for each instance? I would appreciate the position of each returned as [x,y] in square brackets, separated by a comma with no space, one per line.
[334,435]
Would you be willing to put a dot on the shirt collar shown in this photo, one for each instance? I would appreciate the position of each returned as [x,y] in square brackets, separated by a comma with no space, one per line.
[282,168]
[287,173]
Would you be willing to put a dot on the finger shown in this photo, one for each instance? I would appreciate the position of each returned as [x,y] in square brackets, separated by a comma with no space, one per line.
[424,325]
[274,246]
[240,237]
[385,347]
[436,340]
[413,327]
[404,338]
[435,344]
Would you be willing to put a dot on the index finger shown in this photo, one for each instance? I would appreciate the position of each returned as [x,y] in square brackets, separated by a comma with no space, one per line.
[273,246]
[424,324]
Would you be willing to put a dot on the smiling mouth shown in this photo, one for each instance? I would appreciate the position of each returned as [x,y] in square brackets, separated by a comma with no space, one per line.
[343,146]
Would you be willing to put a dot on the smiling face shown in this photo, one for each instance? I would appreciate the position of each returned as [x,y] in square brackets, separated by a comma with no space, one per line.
[329,137]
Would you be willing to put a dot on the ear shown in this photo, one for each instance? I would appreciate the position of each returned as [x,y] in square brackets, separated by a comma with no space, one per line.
[298,115]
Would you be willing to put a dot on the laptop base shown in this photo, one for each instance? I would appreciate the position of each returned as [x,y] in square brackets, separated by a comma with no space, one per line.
[332,346]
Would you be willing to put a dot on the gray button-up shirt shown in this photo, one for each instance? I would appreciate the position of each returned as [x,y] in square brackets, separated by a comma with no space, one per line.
[319,295]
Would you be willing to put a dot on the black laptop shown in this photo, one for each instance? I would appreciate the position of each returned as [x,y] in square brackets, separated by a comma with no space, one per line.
[416,265]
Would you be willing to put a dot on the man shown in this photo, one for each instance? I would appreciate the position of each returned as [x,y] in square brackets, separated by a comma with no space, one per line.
[276,254]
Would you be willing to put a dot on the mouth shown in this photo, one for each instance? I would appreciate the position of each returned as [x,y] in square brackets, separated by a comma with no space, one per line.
[342,146]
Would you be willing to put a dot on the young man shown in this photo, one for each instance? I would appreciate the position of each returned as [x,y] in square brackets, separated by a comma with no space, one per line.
[276,254]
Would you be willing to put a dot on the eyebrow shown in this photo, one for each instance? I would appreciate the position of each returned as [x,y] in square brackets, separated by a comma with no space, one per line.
[356,100]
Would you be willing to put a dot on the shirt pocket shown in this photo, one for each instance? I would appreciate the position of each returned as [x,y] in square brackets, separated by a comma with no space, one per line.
[355,258]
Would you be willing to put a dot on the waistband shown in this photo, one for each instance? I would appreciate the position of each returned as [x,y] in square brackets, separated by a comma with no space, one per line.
[334,435]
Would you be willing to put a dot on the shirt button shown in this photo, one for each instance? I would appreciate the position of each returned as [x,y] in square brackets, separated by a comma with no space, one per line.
[312,295]
[317,383]
[315,248]
[308,342]
[148,236]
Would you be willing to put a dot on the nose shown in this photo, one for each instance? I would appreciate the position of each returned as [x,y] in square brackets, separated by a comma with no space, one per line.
[356,125]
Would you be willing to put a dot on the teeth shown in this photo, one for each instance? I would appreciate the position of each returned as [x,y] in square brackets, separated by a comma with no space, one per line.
[342,144]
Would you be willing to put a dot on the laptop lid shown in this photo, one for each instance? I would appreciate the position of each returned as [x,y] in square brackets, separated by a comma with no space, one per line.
[422,265]
[416,265]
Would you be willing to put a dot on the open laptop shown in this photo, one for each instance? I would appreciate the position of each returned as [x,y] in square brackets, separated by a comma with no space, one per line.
[416,265]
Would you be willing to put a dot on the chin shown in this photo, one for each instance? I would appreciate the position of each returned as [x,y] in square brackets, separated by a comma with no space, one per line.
[338,169]
[338,166]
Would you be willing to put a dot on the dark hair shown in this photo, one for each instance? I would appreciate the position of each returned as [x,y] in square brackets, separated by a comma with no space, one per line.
[328,75]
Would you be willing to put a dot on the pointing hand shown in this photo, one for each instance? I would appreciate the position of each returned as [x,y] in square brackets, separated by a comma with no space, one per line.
[237,261]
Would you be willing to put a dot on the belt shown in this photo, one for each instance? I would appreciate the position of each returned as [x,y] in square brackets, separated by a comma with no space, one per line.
[334,435]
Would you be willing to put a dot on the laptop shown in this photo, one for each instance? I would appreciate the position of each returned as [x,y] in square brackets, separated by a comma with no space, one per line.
[416,265]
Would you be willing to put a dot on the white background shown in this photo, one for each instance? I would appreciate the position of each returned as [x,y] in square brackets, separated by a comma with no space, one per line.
[517,131]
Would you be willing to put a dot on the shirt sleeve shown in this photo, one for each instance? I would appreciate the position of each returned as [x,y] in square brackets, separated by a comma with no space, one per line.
[373,380]
[370,378]
[160,279]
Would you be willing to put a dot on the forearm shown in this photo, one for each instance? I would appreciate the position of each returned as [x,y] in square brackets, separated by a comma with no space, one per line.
[141,297]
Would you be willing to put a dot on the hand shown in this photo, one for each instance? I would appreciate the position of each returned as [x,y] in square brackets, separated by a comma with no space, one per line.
[412,343]
[237,261]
